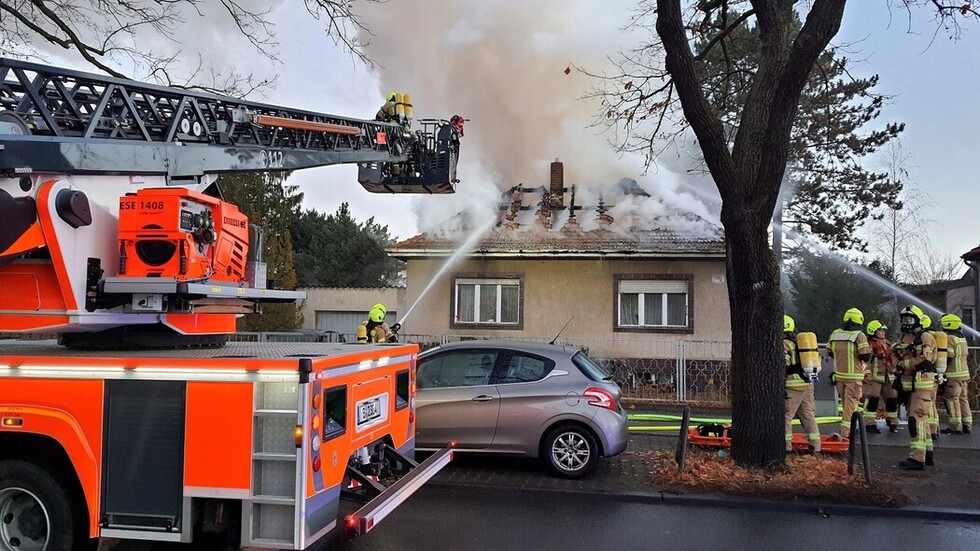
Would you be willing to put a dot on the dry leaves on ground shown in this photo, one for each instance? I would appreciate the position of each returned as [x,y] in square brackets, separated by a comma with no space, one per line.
[811,477]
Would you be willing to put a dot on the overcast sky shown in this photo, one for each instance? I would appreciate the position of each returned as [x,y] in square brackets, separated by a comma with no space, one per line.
[501,64]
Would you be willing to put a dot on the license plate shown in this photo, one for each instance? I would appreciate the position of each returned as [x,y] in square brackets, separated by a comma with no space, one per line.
[368,410]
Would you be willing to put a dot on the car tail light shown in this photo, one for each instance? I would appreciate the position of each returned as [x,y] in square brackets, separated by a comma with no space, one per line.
[600,398]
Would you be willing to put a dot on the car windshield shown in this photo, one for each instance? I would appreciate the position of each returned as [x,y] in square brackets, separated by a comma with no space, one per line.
[591,369]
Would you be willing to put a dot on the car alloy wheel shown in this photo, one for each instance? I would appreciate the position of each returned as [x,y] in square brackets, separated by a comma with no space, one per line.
[571,451]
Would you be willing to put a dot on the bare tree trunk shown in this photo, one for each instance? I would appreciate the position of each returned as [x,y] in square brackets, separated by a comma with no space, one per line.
[757,359]
[748,176]
[777,234]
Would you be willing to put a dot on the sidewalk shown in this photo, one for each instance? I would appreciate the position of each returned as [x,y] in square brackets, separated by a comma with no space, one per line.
[950,490]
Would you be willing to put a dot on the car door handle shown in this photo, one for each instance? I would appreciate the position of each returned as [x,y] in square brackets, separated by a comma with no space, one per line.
[483,398]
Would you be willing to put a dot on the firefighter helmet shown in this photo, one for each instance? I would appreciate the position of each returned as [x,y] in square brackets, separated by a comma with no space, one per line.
[926,321]
[377,313]
[951,322]
[854,316]
[391,96]
[789,325]
[875,325]
[911,317]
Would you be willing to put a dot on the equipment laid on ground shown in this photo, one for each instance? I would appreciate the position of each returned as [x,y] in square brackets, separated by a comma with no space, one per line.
[112,221]
[719,436]
[114,234]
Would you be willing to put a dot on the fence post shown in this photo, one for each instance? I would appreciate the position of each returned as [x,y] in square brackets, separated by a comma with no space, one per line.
[858,429]
[681,455]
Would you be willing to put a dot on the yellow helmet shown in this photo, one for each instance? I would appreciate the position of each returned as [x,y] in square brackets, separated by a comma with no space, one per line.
[911,311]
[854,316]
[951,322]
[788,324]
[391,96]
[926,321]
[377,313]
[875,325]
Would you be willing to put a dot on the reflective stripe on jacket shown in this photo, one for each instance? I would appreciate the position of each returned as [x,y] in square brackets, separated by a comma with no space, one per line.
[881,359]
[845,347]
[957,368]
[792,357]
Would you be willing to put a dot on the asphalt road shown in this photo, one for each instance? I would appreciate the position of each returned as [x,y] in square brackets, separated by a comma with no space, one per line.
[478,518]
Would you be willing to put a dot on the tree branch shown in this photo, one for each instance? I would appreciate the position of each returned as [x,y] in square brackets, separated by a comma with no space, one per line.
[680,64]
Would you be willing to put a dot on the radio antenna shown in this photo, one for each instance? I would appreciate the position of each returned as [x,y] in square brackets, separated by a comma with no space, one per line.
[562,329]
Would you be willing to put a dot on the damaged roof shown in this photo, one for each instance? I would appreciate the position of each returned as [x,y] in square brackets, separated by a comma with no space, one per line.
[601,242]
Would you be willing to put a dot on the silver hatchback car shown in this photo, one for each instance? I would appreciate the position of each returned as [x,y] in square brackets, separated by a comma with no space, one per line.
[519,398]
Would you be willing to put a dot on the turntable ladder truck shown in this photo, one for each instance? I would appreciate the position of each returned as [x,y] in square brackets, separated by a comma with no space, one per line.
[141,422]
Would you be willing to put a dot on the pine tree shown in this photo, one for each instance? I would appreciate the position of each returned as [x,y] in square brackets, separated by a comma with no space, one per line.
[337,251]
[827,192]
[271,204]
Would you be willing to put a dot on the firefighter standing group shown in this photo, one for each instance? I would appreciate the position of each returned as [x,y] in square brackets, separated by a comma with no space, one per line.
[867,366]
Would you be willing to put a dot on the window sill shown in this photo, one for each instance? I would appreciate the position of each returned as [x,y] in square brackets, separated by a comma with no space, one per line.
[665,330]
[488,326]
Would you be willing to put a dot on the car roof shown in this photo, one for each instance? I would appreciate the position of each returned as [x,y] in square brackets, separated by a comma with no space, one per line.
[525,346]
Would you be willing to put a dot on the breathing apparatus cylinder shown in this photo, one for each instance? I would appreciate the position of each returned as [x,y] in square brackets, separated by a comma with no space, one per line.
[806,345]
[942,353]
[408,107]
[362,333]
[400,105]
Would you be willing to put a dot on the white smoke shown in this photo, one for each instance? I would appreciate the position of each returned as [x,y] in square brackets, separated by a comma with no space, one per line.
[502,66]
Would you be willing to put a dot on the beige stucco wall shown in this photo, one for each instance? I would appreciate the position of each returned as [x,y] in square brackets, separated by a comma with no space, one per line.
[556,290]
[956,299]
[349,299]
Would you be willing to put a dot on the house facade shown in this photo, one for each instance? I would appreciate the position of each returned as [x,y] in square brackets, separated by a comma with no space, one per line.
[570,269]
[338,310]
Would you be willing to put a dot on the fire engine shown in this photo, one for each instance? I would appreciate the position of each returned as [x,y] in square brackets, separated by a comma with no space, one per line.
[141,422]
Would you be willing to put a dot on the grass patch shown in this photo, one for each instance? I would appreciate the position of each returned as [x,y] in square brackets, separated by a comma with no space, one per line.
[809,477]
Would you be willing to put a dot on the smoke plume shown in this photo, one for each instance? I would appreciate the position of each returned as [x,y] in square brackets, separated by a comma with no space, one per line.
[502,65]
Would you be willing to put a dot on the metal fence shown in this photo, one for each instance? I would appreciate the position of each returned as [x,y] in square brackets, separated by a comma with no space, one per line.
[655,371]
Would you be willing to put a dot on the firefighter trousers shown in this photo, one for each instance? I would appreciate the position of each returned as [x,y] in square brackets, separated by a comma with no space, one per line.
[934,413]
[850,392]
[920,405]
[874,394]
[958,404]
[800,402]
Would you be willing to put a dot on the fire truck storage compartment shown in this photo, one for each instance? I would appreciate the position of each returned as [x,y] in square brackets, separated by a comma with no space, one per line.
[144,454]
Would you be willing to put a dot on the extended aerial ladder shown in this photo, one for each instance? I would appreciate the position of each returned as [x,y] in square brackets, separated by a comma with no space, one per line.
[110,218]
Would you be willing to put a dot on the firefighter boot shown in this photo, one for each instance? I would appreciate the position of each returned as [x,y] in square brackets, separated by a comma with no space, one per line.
[893,428]
[911,465]
[966,429]
[930,462]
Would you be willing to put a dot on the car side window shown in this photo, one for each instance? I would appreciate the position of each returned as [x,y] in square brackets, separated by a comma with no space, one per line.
[524,368]
[454,369]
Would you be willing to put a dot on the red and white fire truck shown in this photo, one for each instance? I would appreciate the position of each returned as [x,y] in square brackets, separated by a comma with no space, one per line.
[141,422]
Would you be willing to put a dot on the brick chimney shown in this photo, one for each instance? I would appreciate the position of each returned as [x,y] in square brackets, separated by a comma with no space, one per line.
[557,188]
[602,215]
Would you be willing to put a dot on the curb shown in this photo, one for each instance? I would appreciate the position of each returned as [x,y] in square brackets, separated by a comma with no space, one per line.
[726,502]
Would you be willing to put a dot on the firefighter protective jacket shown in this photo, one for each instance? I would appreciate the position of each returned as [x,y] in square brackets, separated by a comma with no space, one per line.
[958,350]
[847,348]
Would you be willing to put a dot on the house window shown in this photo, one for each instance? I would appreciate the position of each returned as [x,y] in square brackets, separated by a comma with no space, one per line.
[487,301]
[654,304]
[967,316]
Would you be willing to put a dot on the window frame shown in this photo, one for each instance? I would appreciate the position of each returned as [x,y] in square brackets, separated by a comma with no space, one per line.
[458,278]
[672,329]
[972,317]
